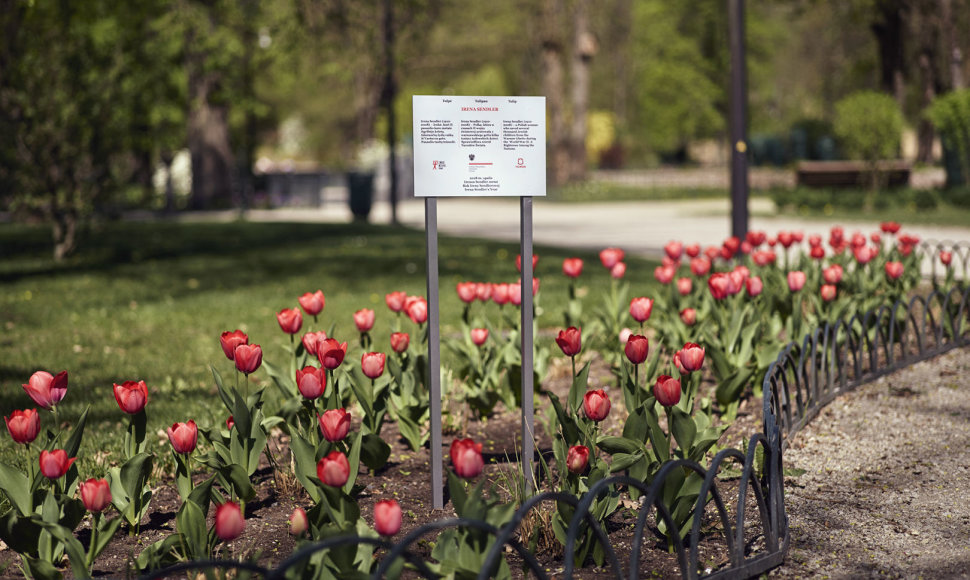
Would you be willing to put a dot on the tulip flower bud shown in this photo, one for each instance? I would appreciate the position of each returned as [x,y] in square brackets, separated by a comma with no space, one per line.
[290,320]
[417,311]
[333,469]
[372,364]
[479,336]
[364,319]
[572,267]
[311,381]
[312,302]
[667,391]
[796,280]
[95,494]
[692,357]
[689,316]
[570,341]
[230,340]
[248,358]
[466,458]
[54,464]
[395,301]
[894,270]
[46,389]
[577,458]
[183,436]
[23,425]
[229,521]
[298,522]
[387,517]
[596,405]
[131,396]
[636,349]
[828,292]
[331,353]
[610,257]
[641,308]
[334,424]
[400,342]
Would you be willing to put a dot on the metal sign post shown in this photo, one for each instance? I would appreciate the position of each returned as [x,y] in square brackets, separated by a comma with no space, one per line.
[479,147]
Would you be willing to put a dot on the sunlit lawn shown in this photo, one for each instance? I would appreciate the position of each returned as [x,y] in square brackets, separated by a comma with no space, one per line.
[149,300]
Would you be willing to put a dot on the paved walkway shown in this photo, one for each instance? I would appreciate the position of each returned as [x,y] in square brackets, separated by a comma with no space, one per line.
[642,228]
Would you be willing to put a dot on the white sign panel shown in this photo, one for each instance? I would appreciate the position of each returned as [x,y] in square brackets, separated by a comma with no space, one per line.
[479,146]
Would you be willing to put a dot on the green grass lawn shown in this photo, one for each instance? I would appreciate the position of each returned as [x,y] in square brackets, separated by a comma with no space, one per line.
[148,301]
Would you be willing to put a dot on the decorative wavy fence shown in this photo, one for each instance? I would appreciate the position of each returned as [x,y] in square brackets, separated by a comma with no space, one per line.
[744,512]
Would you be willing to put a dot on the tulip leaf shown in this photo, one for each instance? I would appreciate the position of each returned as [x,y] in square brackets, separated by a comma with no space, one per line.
[74,441]
[17,488]
[202,493]
[578,390]
[623,461]
[42,569]
[190,522]
[683,428]
[107,531]
[570,431]
[306,465]
[74,549]
[223,393]
[614,445]
[374,451]
[353,460]
[238,479]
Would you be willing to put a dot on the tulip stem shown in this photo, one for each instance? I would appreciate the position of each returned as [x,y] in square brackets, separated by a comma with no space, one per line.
[95,532]
[573,359]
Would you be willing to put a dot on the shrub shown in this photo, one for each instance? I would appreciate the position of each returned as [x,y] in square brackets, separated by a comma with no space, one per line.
[950,114]
[868,125]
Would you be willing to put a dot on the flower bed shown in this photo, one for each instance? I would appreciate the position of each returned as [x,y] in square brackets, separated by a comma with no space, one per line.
[342,437]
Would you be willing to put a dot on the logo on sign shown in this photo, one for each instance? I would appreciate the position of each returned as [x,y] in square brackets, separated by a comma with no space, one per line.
[436,165]
[520,162]
[471,156]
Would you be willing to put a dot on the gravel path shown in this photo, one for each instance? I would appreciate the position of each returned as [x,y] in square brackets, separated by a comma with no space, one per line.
[887,487]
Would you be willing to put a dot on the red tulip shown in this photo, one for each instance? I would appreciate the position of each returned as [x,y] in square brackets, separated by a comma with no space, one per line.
[618,270]
[131,396]
[596,404]
[387,517]
[798,236]
[692,356]
[664,274]
[611,257]
[858,240]
[570,341]
[817,252]
[641,308]
[796,280]
[689,316]
[890,227]
[700,266]
[230,423]
[864,254]
[763,257]
[674,250]
[290,319]
[832,274]
[577,458]
[311,341]
[466,458]
[372,363]
[679,365]
[876,238]
[732,244]
[467,291]
[667,391]
[786,239]
[95,494]
[720,285]
[479,336]
[312,302]
[636,349]
[483,290]
[625,335]
[248,357]
[894,270]
[23,425]
[230,340]
[334,469]
[400,342]
[828,292]
[311,381]
[755,238]
[515,294]
[501,293]
[417,310]
[518,262]
[331,353]
[946,257]
[298,522]
[754,285]
[693,250]
[334,424]
[46,389]
[572,267]
[229,521]
[395,301]
[814,240]
[364,319]
[54,464]
[684,286]
[183,436]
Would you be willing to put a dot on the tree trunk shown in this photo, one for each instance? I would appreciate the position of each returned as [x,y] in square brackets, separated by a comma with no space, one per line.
[584,47]
[623,20]
[951,47]
[208,136]
[64,224]
[553,86]
[889,30]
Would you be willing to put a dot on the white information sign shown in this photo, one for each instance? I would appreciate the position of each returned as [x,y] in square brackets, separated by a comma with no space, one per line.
[479,146]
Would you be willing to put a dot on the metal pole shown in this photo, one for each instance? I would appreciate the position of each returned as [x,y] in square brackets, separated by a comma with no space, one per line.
[434,351]
[528,413]
[738,121]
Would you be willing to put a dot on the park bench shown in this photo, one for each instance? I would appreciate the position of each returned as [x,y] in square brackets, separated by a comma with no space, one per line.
[850,173]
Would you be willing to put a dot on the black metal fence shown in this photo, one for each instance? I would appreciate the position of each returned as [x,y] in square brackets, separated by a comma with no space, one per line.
[749,521]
